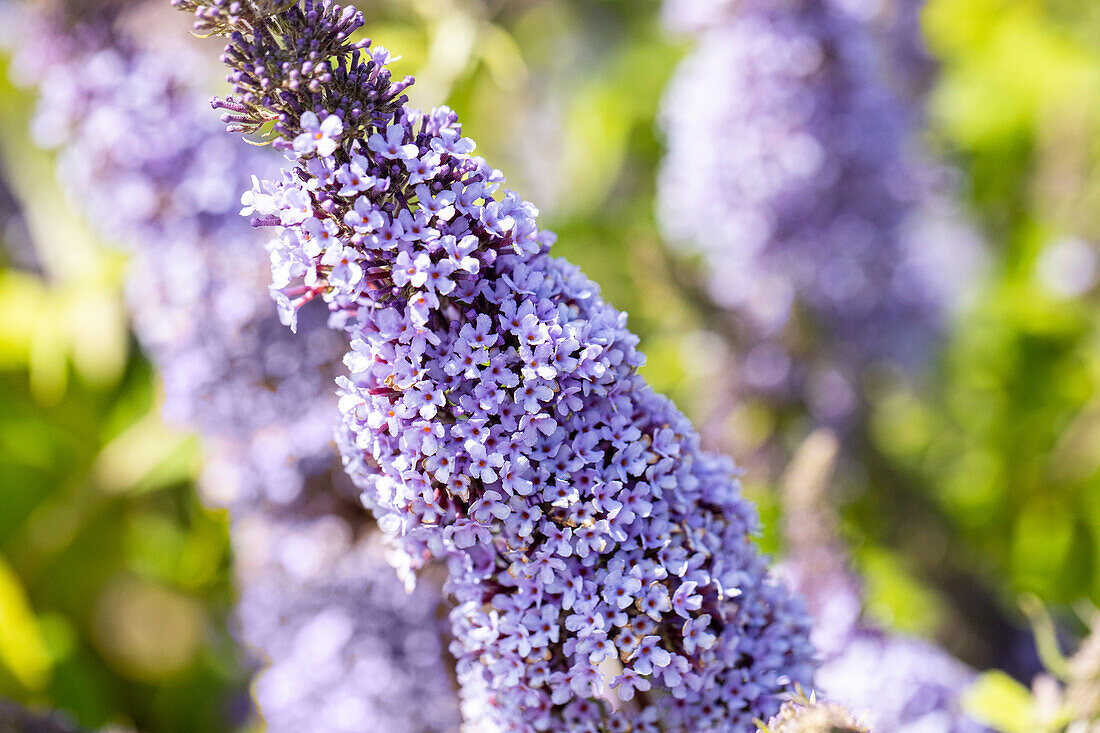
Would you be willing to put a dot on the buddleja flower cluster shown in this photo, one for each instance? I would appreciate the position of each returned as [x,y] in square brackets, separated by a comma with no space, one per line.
[893,682]
[348,647]
[151,170]
[138,154]
[494,415]
[791,169]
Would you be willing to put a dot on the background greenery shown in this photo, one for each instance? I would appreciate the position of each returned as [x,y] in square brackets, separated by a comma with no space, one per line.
[969,485]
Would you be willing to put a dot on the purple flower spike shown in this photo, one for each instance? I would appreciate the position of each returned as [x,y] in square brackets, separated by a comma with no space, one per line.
[571,502]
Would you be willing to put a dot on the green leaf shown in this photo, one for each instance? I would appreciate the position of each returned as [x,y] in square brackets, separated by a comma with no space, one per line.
[22,648]
[1001,702]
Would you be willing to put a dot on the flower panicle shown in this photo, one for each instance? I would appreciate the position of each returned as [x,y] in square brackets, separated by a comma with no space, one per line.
[494,417]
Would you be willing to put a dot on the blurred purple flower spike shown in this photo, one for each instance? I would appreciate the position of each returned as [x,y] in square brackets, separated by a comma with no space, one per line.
[794,170]
[344,646]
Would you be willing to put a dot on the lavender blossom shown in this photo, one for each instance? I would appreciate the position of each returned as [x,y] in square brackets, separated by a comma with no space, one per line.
[791,169]
[149,172]
[903,683]
[912,64]
[346,645]
[494,416]
[153,171]
[892,682]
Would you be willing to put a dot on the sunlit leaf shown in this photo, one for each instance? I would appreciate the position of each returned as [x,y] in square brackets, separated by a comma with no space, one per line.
[22,648]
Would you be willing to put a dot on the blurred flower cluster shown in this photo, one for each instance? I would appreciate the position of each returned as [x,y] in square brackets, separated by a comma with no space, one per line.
[899,682]
[794,169]
[127,109]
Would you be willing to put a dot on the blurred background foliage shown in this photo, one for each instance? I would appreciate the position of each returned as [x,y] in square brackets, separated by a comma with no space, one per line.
[114,588]
[1005,443]
[970,485]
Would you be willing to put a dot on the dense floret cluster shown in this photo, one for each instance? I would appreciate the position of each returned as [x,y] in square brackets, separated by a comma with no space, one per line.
[494,416]
[792,169]
[152,171]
